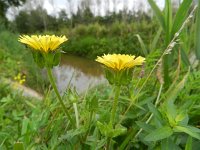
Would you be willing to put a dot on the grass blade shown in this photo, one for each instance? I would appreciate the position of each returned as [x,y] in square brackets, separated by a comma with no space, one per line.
[198,32]
[181,15]
[144,49]
[155,40]
[168,20]
[189,143]
[157,13]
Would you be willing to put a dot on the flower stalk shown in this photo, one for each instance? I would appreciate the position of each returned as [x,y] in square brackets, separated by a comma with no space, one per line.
[76,114]
[113,112]
[115,104]
[59,97]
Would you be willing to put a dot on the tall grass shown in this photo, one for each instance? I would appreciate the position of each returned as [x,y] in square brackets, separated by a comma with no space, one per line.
[170,26]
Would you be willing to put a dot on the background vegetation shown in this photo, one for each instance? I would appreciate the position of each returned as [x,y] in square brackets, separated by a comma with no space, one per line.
[160,108]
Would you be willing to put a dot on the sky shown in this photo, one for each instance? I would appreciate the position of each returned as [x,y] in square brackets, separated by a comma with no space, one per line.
[54,6]
[131,4]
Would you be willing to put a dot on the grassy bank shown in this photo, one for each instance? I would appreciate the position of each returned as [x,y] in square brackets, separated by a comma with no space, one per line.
[16,59]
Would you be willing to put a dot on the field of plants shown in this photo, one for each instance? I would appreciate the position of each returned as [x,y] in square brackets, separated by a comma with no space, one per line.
[152,97]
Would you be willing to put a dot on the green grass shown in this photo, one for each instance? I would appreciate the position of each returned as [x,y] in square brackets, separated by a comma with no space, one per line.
[15,58]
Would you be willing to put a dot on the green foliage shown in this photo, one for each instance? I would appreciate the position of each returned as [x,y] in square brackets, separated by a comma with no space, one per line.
[171,28]
[96,39]
[148,116]
[15,58]
[159,134]
[198,32]
[35,21]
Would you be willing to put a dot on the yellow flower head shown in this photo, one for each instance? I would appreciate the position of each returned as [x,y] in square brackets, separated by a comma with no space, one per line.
[20,78]
[45,43]
[120,61]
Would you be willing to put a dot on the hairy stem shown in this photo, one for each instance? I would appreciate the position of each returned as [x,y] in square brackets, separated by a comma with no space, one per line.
[50,75]
[115,104]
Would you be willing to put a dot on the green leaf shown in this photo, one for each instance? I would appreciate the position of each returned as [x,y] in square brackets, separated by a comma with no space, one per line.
[144,49]
[155,112]
[175,89]
[25,124]
[39,59]
[184,57]
[144,126]
[169,144]
[157,13]
[119,130]
[192,131]
[93,105]
[159,134]
[198,32]
[171,95]
[108,131]
[155,40]
[18,146]
[188,145]
[168,19]
[71,134]
[181,15]
[56,60]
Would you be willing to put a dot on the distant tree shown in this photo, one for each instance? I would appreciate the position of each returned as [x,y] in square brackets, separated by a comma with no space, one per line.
[87,15]
[5,4]
[98,3]
[63,15]
[107,6]
[114,6]
[125,10]
[22,22]
[33,21]
[85,4]
[70,8]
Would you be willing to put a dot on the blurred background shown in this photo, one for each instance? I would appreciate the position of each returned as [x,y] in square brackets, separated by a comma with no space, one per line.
[93,27]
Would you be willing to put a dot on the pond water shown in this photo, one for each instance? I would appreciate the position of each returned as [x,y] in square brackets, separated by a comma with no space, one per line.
[80,72]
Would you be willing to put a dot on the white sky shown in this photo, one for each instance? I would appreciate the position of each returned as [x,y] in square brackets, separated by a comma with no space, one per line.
[131,4]
[54,6]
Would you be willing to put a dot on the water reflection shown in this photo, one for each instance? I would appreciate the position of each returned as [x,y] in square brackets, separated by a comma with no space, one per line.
[80,72]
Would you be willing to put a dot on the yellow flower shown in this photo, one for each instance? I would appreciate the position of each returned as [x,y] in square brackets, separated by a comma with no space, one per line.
[20,78]
[120,61]
[45,43]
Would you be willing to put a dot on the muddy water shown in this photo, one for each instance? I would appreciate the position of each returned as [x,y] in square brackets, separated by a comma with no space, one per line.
[81,73]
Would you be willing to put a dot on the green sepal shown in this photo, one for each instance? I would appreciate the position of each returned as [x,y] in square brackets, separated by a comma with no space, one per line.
[110,75]
[52,59]
[108,131]
[122,77]
[38,58]
[49,60]
[57,58]
[126,76]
